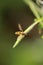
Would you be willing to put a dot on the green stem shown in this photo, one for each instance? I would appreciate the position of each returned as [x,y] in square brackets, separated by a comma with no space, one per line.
[35,12]
[32,5]
[27,31]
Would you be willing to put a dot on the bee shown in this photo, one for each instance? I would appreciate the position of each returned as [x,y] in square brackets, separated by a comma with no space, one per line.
[21,31]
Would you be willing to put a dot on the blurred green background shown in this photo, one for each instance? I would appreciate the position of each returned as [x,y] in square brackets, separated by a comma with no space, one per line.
[30,49]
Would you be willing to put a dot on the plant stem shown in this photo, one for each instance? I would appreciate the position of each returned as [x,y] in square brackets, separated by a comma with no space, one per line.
[33,8]
[27,31]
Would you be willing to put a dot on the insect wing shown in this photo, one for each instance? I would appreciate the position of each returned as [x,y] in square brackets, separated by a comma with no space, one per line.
[20,28]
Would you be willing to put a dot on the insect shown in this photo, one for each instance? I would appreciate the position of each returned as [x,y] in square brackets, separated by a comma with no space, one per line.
[37,9]
[21,31]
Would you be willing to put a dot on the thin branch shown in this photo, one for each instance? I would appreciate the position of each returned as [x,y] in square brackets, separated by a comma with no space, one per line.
[27,31]
[33,7]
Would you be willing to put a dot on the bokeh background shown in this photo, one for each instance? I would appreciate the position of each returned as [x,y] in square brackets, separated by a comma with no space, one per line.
[30,49]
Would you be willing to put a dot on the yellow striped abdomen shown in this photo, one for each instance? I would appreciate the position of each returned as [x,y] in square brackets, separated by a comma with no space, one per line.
[19,33]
